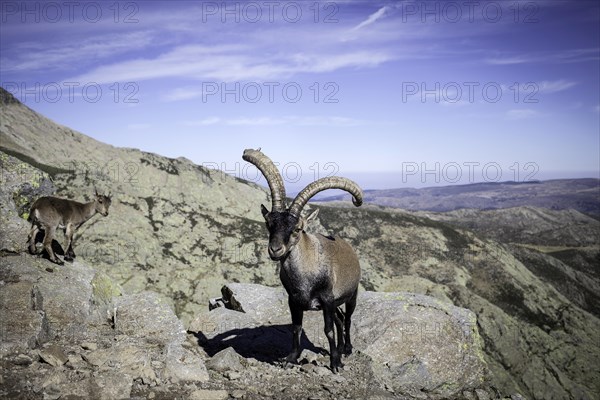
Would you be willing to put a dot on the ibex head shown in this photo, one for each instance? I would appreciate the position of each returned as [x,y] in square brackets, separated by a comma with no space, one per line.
[284,230]
[102,202]
[285,225]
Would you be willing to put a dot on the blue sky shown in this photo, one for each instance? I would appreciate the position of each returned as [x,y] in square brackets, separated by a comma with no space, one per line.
[390,93]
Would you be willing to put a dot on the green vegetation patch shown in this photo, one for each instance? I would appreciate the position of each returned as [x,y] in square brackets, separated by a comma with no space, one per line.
[104,289]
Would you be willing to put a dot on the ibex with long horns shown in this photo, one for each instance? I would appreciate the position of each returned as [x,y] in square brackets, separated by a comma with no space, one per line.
[318,272]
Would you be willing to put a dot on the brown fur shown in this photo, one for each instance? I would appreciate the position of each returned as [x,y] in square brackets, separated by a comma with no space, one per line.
[319,273]
[345,268]
[51,213]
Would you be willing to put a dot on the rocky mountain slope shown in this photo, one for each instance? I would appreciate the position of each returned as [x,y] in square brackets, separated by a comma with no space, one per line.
[562,247]
[70,332]
[531,225]
[183,231]
[560,194]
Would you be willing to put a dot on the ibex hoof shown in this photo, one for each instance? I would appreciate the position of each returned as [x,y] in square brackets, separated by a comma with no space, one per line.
[347,350]
[336,365]
[289,361]
[68,258]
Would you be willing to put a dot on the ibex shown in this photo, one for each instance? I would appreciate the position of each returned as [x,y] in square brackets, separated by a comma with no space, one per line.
[318,272]
[49,213]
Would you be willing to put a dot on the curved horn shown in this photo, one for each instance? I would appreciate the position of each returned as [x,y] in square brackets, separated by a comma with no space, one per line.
[331,182]
[274,179]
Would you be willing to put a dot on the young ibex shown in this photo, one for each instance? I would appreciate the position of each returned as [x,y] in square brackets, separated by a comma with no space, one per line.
[318,272]
[49,213]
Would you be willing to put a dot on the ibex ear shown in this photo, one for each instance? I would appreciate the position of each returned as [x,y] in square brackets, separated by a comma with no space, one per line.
[264,210]
[313,215]
[95,191]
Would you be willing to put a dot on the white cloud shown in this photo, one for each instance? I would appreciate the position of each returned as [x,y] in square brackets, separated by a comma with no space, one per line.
[555,86]
[372,18]
[203,122]
[184,93]
[272,121]
[71,55]
[563,56]
[521,113]
[327,121]
[256,121]
[228,63]
[508,60]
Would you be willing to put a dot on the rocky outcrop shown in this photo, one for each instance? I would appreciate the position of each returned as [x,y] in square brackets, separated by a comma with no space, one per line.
[20,183]
[417,345]
[66,322]
[69,332]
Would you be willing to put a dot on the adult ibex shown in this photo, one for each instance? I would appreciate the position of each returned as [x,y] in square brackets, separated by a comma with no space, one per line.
[318,272]
[49,213]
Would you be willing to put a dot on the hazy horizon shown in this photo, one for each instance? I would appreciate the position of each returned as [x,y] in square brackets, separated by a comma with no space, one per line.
[374,181]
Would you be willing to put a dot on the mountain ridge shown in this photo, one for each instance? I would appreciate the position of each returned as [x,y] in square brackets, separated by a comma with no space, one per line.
[581,194]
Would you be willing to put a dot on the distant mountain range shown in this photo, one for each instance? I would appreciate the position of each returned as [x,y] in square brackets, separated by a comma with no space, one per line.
[582,195]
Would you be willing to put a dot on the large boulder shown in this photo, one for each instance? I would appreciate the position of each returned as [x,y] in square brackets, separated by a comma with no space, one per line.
[145,318]
[419,346]
[23,326]
[73,318]
[20,185]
